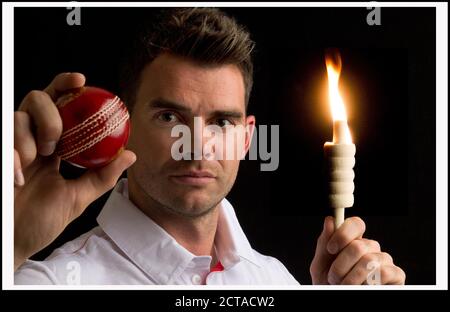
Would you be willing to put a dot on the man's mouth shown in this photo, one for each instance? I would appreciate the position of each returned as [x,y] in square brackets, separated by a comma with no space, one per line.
[194,177]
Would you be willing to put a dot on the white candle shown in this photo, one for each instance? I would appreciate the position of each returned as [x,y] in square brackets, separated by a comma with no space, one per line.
[340,153]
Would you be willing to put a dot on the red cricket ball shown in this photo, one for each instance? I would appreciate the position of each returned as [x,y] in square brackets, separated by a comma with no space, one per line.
[96,127]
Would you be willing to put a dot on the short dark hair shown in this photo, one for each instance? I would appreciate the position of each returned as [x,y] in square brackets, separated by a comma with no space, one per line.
[205,35]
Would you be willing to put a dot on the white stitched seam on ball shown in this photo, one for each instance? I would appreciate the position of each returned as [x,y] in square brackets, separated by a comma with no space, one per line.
[94,118]
[98,136]
[67,141]
[97,139]
[68,149]
[94,133]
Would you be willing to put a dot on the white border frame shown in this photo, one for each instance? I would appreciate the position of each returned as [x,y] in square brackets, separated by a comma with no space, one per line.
[441,139]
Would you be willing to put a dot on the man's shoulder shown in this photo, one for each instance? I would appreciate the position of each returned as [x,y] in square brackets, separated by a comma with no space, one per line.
[274,270]
[62,266]
[82,247]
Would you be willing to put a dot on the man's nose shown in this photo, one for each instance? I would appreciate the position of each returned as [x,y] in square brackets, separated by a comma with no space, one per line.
[199,137]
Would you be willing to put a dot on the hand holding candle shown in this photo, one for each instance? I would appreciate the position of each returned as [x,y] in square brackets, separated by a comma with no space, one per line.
[343,257]
[340,153]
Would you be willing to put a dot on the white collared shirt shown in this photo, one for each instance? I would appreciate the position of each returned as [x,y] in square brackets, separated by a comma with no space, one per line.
[129,248]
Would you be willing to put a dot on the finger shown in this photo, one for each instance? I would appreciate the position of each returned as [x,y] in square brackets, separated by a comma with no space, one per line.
[368,269]
[392,275]
[96,182]
[353,228]
[46,118]
[349,257]
[327,232]
[24,141]
[322,259]
[19,179]
[63,82]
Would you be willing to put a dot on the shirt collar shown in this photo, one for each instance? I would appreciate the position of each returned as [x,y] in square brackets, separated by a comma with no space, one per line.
[157,253]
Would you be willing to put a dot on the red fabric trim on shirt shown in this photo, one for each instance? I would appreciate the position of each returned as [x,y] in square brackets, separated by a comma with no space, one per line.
[217,267]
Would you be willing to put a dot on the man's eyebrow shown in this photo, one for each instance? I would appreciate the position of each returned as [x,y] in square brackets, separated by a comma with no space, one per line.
[167,104]
[162,103]
[228,114]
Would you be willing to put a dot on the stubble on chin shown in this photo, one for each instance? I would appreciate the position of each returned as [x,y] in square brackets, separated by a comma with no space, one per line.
[149,198]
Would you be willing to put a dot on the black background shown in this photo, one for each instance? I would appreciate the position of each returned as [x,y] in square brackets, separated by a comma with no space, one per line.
[388,83]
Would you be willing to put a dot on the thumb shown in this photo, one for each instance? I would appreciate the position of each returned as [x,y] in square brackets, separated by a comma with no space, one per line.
[95,183]
[327,232]
[322,258]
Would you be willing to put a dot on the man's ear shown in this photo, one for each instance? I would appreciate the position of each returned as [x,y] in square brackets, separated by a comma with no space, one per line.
[250,124]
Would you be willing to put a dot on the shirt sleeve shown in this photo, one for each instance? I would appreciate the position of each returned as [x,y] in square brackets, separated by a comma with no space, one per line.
[35,273]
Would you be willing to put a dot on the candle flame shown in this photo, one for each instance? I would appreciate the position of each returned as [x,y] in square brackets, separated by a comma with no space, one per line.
[334,65]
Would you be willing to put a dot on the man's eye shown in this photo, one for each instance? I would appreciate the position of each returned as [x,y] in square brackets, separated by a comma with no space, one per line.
[168,117]
[223,122]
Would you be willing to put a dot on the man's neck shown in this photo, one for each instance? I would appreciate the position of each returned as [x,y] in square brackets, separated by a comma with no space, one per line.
[196,234]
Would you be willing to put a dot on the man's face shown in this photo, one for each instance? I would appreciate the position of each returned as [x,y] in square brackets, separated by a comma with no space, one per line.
[172,91]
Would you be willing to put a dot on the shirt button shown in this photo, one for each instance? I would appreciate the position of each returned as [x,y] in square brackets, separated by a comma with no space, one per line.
[196,279]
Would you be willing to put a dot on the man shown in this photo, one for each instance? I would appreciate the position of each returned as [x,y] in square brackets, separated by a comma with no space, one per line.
[169,223]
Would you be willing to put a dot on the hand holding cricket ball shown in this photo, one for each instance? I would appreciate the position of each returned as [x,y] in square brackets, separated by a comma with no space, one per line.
[88,127]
